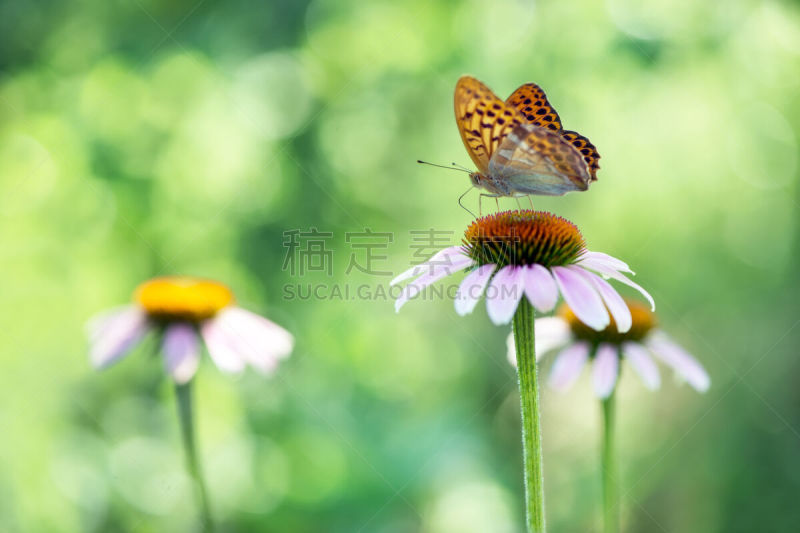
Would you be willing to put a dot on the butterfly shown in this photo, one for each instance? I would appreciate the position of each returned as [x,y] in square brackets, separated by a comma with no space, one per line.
[519,145]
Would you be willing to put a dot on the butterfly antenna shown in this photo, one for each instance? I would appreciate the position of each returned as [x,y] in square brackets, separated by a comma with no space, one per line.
[462,205]
[461,167]
[444,166]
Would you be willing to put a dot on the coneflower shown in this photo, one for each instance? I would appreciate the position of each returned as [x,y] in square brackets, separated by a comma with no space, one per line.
[523,260]
[185,310]
[607,349]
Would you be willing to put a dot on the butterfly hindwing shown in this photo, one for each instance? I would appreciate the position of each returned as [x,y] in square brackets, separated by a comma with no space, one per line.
[483,120]
[532,103]
[586,149]
[536,160]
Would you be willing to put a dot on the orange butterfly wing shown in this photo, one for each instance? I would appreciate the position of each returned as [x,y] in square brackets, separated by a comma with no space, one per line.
[587,150]
[483,120]
[531,101]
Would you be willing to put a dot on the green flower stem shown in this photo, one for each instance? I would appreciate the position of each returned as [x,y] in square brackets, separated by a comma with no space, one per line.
[609,466]
[183,394]
[531,427]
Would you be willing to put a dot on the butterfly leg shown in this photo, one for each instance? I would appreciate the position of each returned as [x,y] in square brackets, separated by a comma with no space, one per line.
[484,195]
[497,201]
[531,201]
[519,206]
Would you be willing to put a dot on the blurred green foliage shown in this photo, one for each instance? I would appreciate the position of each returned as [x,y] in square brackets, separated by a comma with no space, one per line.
[140,138]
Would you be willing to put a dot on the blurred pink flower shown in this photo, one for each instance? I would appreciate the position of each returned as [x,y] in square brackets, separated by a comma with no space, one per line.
[578,344]
[189,310]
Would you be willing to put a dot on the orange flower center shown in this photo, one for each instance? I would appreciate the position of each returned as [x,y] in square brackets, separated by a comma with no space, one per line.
[523,237]
[172,298]
[643,322]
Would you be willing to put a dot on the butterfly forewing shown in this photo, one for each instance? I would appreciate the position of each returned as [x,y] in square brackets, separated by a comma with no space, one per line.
[587,150]
[536,160]
[483,120]
[532,103]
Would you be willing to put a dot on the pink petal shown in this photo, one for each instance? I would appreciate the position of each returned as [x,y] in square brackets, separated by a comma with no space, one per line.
[418,285]
[273,339]
[604,260]
[568,365]
[540,288]
[449,257]
[582,298]
[258,341]
[113,334]
[504,294]
[636,355]
[614,302]
[412,272]
[613,273]
[181,352]
[550,332]
[471,289]
[221,347]
[679,359]
[629,283]
[605,370]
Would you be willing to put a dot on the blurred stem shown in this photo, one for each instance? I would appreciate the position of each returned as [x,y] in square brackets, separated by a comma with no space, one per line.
[531,427]
[609,466]
[183,393]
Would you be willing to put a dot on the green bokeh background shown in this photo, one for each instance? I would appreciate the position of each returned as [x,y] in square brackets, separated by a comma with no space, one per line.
[140,138]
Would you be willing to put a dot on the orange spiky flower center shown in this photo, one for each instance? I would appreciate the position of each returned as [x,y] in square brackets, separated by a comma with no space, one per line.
[643,321]
[523,237]
[172,298]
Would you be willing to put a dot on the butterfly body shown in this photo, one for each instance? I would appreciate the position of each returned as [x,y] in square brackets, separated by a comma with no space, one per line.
[519,145]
